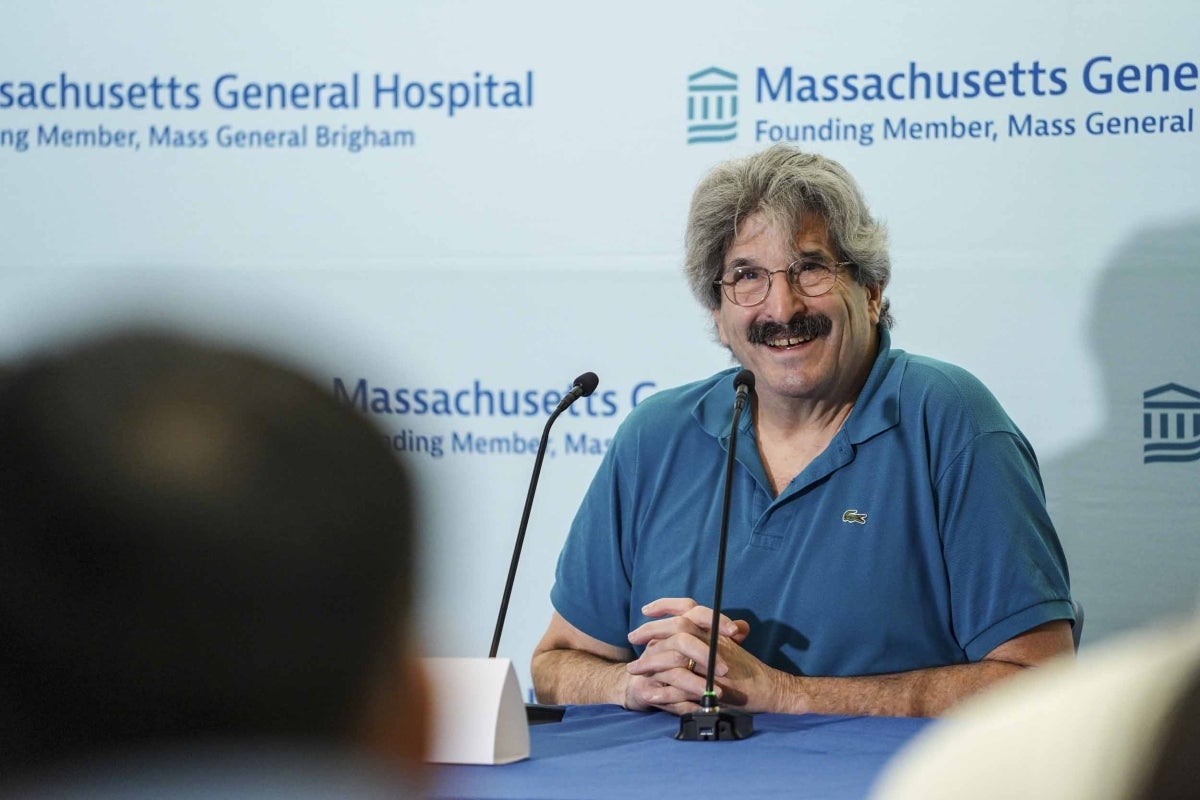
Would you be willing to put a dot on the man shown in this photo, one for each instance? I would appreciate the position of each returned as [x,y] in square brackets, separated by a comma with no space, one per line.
[890,550]
[205,581]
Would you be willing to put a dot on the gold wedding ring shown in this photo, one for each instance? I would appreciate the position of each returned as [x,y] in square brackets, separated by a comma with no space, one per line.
[691,664]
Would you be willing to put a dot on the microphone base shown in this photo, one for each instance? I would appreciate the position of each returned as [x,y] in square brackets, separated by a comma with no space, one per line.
[714,724]
[541,713]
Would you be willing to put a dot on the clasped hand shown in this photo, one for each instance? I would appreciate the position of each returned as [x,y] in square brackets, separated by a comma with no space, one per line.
[672,670]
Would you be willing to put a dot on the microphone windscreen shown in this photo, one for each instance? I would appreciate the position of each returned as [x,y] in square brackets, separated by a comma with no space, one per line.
[587,383]
[744,378]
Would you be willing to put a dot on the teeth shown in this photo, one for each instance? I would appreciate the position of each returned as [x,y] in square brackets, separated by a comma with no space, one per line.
[788,342]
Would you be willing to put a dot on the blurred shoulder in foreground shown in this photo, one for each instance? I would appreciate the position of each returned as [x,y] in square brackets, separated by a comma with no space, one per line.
[1122,723]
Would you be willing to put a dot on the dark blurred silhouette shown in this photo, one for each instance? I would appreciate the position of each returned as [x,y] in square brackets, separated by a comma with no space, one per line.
[205,577]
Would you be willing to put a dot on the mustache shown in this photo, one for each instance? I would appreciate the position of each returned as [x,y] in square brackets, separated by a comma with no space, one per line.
[800,326]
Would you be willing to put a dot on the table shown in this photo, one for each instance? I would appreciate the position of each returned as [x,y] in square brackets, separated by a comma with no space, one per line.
[606,752]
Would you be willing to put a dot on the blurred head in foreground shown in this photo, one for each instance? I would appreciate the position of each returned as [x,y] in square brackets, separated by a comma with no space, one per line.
[197,546]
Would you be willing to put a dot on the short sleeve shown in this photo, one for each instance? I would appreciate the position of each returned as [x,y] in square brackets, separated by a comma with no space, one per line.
[1005,564]
[592,582]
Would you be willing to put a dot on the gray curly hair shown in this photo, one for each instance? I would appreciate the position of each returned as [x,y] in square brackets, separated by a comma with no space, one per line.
[784,184]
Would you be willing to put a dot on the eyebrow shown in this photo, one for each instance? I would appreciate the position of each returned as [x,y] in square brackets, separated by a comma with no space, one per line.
[745,261]
[815,254]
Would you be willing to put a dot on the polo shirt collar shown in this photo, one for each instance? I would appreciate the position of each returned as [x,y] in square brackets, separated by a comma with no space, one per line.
[878,404]
[715,407]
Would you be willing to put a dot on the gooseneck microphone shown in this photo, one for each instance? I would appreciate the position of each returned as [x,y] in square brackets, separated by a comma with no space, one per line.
[583,386]
[711,722]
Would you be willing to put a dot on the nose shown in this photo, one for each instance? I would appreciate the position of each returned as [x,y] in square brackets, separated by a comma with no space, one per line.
[783,302]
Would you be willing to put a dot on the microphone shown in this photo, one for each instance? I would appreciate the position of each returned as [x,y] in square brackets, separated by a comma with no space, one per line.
[711,722]
[743,383]
[583,386]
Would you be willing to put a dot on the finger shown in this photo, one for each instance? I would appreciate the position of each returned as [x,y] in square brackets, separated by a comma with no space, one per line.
[697,622]
[668,606]
[693,658]
[689,653]
[701,616]
[664,629]
[685,706]
[668,688]
[674,651]
[648,692]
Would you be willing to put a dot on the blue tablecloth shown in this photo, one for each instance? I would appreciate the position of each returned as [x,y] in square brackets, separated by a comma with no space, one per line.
[608,752]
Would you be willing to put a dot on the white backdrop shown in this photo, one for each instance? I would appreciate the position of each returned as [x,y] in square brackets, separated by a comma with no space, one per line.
[512,247]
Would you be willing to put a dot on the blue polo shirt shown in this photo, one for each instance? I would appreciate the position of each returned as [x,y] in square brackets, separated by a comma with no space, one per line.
[918,538]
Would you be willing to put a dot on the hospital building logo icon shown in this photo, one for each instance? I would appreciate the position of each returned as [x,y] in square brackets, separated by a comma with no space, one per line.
[1170,424]
[712,106]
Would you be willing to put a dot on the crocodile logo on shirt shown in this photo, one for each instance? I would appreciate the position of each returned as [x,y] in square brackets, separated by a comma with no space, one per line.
[855,516]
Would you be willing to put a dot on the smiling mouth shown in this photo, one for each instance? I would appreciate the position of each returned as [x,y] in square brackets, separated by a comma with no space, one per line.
[792,341]
[799,330]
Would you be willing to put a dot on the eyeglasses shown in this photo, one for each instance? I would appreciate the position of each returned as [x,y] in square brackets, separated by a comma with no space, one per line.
[749,286]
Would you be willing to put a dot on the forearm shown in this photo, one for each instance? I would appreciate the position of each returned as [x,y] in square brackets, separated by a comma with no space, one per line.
[920,693]
[576,677]
[752,685]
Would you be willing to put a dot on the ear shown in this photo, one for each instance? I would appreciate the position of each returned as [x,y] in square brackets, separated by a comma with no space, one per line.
[874,301]
[716,313]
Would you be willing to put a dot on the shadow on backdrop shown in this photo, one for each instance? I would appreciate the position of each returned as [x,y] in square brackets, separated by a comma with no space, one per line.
[1129,521]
